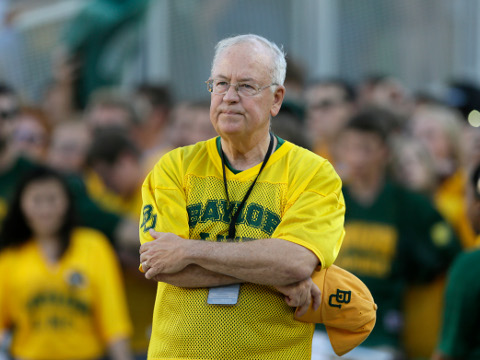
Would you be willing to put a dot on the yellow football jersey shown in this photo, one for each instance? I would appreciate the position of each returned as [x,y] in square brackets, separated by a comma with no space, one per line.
[297,198]
[68,310]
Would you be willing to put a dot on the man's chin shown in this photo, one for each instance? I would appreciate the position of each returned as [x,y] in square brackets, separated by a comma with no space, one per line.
[230,129]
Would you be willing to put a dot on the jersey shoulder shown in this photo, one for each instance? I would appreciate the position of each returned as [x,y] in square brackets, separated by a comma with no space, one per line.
[186,153]
[303,170]
[180,159]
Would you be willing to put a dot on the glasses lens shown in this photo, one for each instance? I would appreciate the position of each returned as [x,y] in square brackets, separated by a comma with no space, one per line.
[220,86]
[246,89]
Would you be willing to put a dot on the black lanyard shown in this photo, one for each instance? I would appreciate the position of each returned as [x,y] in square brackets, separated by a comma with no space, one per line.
[231,228]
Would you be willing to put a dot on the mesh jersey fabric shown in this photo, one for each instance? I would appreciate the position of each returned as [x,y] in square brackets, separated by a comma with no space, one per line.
[297,198]
[69,310]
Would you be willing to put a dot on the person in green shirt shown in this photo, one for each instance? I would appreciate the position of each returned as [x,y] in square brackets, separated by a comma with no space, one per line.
[394,237]
[460,335]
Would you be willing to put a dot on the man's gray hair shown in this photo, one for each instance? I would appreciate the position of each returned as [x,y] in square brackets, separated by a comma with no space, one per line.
[279,64]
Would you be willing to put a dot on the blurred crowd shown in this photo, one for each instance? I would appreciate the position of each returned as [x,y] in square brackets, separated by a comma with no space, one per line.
[104,152]
[106,149]
[375,132]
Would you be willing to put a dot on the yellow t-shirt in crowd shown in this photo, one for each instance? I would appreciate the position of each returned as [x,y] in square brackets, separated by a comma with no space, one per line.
[140,291]
[450,201]
[297,198]
[69,310]
[111,201]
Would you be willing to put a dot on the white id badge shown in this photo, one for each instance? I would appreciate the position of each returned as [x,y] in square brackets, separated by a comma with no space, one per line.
[223,295]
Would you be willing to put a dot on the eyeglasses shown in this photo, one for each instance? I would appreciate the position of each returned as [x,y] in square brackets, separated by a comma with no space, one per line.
[220,87]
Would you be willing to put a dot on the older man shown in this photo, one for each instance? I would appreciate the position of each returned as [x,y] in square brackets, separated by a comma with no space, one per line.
[269,213]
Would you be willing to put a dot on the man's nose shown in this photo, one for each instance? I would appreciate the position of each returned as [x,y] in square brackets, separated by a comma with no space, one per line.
[232,93]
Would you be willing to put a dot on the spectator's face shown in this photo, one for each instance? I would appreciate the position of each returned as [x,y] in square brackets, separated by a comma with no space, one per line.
[121,177]
[363,153]
[105,116]
[327,110]
[388,94]
[44,204]
[246,116]
[391,95]
[412,169]
[430,132]
[191,125]
[181,126]
[68,149]
[29,138]
[8,113]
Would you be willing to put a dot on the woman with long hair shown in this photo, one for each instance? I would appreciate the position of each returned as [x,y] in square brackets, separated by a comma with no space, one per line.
[61,291]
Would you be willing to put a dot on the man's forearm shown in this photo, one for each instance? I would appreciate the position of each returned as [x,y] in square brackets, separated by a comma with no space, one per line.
[265,261]
[194,276]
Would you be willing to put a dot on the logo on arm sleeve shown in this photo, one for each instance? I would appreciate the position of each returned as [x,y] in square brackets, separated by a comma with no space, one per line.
[149,219]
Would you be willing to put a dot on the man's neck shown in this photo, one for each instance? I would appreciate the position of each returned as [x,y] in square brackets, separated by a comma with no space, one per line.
[243,156]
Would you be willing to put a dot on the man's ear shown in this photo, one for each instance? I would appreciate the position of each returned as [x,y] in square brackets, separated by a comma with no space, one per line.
[278,96]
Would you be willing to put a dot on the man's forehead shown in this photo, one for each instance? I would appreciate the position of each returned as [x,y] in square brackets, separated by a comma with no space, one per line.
[243,77]
[246,63]
[247,78]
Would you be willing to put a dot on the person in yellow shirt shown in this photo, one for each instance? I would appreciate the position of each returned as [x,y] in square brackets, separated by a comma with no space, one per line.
[232,228]
[116,160]
[53,299]
[439,128]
